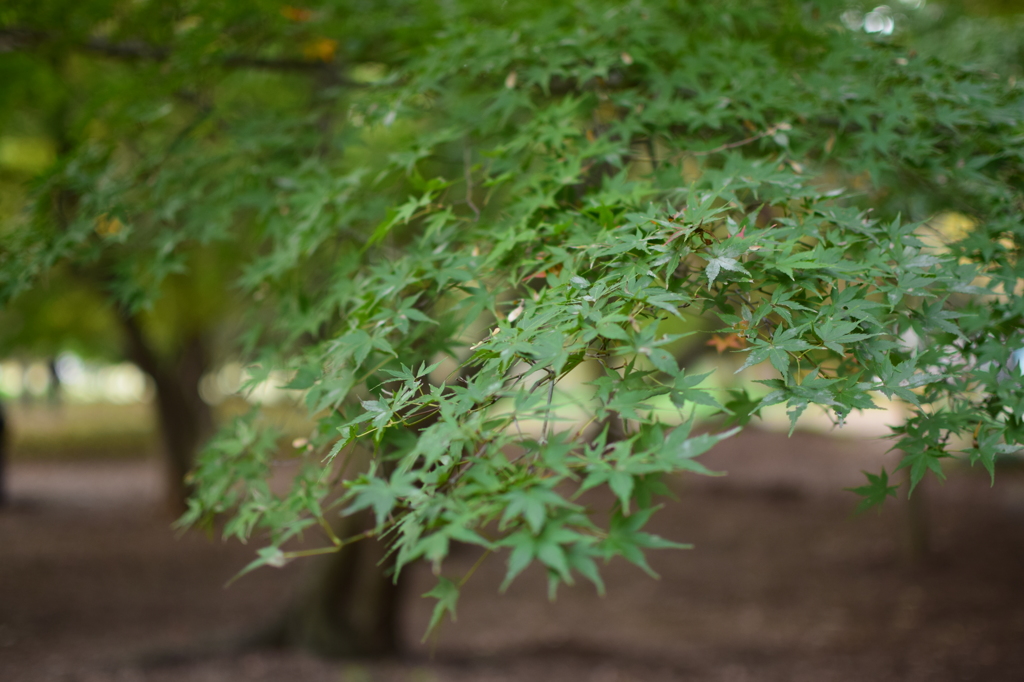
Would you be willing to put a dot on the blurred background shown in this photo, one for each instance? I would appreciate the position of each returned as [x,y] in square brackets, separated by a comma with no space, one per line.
[785,582]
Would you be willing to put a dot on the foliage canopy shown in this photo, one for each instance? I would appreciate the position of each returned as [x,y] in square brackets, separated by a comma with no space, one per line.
[505,195]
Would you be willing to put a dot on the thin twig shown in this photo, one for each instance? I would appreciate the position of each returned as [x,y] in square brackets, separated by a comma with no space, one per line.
[653,155]
[732,145]
[472,569]
[547,412]
[329,550]
[467,156]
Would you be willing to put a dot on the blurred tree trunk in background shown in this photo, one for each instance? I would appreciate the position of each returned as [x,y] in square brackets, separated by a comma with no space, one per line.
[347,603]
[3,457]
[185,418]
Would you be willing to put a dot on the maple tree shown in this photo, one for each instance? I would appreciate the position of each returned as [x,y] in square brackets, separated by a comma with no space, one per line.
[459,207]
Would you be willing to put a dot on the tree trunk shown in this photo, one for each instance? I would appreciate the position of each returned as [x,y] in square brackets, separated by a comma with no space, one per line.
[3,458]
[185,418]
[347,605]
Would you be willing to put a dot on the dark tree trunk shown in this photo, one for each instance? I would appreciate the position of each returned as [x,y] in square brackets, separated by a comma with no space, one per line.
[185,418]
[347,605]
[3,457]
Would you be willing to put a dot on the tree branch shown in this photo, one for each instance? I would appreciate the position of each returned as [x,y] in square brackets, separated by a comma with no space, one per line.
[15,39]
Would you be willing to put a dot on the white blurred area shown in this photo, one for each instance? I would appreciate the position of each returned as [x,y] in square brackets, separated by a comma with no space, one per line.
[883,19]
[228,381]
[77,380]
[74,380]
[573,404]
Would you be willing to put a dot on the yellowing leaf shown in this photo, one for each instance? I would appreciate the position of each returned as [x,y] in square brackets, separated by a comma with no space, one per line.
[320,50]
[107,226]
[722,343]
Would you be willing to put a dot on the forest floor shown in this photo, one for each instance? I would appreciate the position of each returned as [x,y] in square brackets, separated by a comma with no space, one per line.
[784,584]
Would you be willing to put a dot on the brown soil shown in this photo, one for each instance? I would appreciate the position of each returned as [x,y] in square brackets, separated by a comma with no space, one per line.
[784,585]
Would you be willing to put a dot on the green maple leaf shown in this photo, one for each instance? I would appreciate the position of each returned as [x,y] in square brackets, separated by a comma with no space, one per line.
[874,493]
[447,595]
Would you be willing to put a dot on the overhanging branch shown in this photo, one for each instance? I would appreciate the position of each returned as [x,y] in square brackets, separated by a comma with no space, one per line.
[19,39]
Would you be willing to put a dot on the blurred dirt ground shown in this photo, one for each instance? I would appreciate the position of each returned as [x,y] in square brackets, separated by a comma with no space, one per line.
[783,585]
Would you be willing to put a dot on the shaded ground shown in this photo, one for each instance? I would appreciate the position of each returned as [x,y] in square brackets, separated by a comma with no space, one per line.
[783,585]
